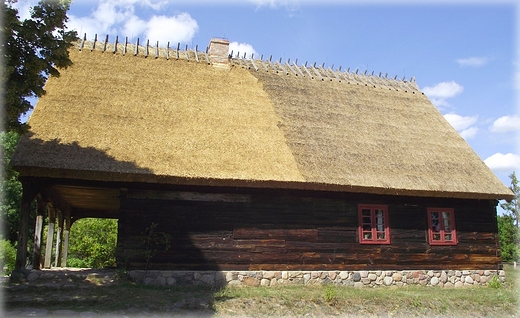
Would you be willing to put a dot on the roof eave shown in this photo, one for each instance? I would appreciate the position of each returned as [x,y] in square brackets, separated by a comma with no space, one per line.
[35,172]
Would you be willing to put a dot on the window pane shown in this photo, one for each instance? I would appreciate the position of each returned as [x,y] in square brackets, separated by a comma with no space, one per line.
[367,228]
[436,226]
[447,221]
[365,212]
[381,235]
[367,220]
[380,221]
[442,231]
[367,235]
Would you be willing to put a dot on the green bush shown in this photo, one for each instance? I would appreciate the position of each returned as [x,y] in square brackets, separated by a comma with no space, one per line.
[494,283]
[330,294]
[509,238]
[92,243]
[7,257]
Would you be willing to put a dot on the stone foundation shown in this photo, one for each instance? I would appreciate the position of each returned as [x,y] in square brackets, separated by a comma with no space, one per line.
[441,278]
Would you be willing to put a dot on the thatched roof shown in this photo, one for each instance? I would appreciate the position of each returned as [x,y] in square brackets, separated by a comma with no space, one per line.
[131,118]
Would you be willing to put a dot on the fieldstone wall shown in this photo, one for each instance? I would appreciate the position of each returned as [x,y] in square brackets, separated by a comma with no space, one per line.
[441,278]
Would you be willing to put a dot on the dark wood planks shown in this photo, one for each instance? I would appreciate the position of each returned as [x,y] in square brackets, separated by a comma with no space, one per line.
[298,231]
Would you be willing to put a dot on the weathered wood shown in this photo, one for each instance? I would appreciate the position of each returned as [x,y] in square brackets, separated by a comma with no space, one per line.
[41,208]
[59,238]
[50,238]
[287,234]
[187,196]
[28,195]
[66,233]
[259,229]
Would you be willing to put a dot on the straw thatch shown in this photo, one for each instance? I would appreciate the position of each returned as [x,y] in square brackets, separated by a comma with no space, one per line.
[115,117]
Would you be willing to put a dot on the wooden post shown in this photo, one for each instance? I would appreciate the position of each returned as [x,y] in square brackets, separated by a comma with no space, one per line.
[28,195]
[59,237]
[66,232]
[50,237]
[38,232]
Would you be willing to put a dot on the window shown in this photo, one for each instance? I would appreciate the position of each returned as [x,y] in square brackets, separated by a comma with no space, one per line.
[441,227]
[373,224]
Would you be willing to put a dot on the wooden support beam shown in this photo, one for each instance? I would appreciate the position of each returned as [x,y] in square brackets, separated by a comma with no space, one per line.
[50,238]
[38,232]
[59,238]
[28,195]
[66,232]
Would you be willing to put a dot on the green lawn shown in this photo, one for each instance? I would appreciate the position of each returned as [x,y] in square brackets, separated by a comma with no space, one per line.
[126,298]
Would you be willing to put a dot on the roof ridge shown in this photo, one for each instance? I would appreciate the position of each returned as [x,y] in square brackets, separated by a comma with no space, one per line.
[311,71]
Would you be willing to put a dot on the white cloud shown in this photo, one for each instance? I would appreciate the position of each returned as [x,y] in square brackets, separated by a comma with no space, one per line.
[442,91]
[241,48]
[463,124]
[469,133]
[473,61]
[506,124]
[460,122]
[133,27]
[500,162]
[119,18]
[159,28]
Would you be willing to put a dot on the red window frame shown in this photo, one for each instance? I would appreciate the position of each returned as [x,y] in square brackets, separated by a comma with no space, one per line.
[373,225]
[441,226]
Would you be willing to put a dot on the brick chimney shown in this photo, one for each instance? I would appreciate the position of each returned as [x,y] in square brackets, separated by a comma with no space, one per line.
[219,52]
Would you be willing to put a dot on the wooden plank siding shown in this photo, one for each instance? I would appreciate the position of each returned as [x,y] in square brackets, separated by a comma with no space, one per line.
[297,230]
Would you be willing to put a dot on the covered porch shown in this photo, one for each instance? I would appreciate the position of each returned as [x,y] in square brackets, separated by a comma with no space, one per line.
[59,203]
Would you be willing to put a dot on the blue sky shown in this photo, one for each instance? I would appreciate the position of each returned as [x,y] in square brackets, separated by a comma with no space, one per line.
[464,55]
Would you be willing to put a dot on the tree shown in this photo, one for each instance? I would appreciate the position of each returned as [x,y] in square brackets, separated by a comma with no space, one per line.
[512,207]
[509,238]
[92,243]
[11,190]
[33,49]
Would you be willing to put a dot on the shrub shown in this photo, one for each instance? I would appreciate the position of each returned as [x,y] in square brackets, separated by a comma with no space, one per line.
[7,257]
[509,238]
[494,283]
[92,243]
[331,294]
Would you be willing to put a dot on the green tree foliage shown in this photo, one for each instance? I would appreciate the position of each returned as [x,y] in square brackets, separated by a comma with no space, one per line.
[92,243]
[33,49]
[509,238]
[513,207]
[7,257]
[11,194]
[508,230]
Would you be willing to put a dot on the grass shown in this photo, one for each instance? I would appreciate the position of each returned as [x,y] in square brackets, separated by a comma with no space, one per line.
[124,297]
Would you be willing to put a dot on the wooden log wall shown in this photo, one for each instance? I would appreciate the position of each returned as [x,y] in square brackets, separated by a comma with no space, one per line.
[295,230]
